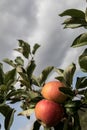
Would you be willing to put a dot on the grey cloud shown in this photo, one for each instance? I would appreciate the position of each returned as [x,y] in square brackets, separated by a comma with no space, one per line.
[55,51]
[20,8]
[57,41]
[57,44]
[18,20]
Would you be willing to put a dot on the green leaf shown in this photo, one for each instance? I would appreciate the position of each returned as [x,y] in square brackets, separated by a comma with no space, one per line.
[60,78]
[36,125]
[19,61]
[85,98]
[75,104]
[24,48]
[20,50]
[15,100]
[30,68]
[35,81]
[25,83]
[24,80]
[81,40]
[73,13]
[45,73]
[9,62]
[10,77]
[77,125]
[69,73]
[34,101]
[4,109]
[14,93]
[1,74]
[26,113]
[77,18]
[19,69]
[86,15]
[74,22]
[66,75]
[3,88]
[72,25]
[67,91]
[9,119]
[33,94]
[8,113]
[59,71]
[83,61]
[2,98]
[66,123]
[23,76]
[81,82]
[36,46]
[72,107]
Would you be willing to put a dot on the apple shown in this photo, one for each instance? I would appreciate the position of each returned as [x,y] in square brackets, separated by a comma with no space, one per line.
[51,91]
[48,112]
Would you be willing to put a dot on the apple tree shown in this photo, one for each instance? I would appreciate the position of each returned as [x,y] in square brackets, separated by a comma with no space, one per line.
[20,84]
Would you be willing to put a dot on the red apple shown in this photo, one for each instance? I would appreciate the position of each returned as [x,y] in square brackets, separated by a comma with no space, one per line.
[49,112]
[51,91]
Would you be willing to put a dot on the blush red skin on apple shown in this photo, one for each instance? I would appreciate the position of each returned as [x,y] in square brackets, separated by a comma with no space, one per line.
[48,112]
[51,91]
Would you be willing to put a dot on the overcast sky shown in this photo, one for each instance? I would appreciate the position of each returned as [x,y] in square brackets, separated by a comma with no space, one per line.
[37,21]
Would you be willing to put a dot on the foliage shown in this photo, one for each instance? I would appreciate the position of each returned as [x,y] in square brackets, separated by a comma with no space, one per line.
[28,91]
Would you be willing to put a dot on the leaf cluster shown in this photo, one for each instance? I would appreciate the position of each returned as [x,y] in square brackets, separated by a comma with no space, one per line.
[20,84]
[77,18]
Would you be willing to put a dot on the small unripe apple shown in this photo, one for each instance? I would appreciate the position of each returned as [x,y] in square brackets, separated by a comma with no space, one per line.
[51,91]
[49,112]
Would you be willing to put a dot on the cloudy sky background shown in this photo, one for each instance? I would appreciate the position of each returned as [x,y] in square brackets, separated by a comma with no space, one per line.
[37,21]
